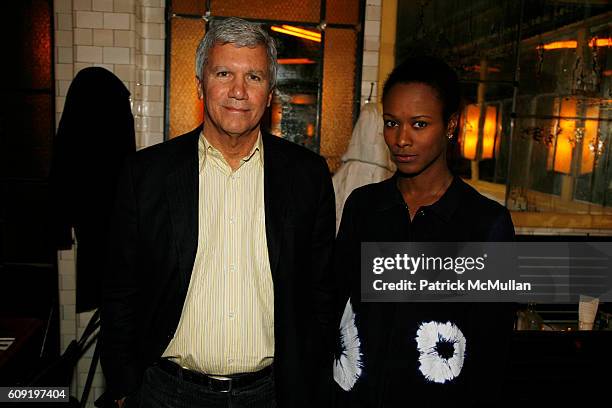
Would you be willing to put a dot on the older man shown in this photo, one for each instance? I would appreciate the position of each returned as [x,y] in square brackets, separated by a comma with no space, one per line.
[219,291]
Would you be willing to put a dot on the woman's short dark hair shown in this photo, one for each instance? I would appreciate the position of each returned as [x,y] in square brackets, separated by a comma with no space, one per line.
[433,72]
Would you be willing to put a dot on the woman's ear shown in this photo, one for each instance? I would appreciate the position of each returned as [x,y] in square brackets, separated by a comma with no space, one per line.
[452,125]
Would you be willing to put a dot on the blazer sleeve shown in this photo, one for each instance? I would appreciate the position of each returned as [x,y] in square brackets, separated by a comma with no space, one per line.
[119,324]
[324,295]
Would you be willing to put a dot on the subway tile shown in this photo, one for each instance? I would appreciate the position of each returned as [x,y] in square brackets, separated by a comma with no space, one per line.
[151,138]
[63,38]
[83,36]
[152,3]
[152,93]
[68,282]
[64,55]
[371,44]
[64,21]
[153,109]
[369,74]
[62,87]
[123,6]
[103,38]
[154,78]
[153,47]
[81,5]
[82,65]
[67,254]
[372,28]
[123,38]
[152,30]
[102,5]
[59,103]
[370,58]
[62,6]
[69,312]
[67,297]
[117,21]
[109,67]
[67,327]
[373,13]
[66,339]
[89,19]
[88,54]
[116,55]
[66,267]
[155,62]
[153,14]
[125,72]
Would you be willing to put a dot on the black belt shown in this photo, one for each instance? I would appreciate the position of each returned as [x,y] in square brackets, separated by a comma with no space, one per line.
[215,384]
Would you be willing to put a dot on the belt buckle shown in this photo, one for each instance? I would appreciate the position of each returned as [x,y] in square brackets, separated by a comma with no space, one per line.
[219,385]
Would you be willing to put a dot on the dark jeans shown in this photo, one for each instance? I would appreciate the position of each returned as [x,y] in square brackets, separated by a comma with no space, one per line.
[162,390]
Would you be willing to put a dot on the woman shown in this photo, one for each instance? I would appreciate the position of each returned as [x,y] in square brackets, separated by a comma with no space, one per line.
[381,344]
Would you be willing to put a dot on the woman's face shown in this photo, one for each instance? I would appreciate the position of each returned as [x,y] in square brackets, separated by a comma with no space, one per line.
[414,128]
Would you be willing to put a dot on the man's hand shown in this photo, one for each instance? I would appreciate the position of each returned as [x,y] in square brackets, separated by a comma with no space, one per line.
[120,402]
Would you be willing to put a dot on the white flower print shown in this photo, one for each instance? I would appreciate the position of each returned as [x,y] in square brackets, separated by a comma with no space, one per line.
[435,366]
[348,366]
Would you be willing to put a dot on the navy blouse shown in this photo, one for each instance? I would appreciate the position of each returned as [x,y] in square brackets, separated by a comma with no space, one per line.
[397,354]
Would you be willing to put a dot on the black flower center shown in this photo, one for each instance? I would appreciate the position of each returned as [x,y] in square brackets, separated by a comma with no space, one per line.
[445,349]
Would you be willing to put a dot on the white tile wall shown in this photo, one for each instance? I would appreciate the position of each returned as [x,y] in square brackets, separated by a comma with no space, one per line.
[103,33]
[371,46]
[89,19]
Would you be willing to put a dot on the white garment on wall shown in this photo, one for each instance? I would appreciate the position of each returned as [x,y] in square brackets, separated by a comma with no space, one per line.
[366,160]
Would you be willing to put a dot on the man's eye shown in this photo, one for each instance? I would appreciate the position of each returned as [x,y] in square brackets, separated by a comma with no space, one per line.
[390,123]
[222,74]
[419,124]
[256,78]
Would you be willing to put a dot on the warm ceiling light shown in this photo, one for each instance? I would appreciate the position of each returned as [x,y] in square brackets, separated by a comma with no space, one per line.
[302,31]
[601,42]
[559,45]
[295,34]
[295,61]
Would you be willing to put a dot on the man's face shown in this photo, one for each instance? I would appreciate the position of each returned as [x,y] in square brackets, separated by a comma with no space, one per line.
[235,88]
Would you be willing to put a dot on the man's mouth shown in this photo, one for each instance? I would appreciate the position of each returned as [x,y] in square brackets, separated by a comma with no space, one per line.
[236,110]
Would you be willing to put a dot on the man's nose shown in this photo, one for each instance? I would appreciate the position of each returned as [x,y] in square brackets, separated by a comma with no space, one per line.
[238,89]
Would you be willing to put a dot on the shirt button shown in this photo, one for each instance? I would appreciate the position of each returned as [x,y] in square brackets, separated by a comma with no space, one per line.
[231,315]
[230,361]
[232,268]
[231,220]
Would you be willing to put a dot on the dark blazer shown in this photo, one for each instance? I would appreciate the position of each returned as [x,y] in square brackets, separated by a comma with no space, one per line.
[387,331]
[155,237]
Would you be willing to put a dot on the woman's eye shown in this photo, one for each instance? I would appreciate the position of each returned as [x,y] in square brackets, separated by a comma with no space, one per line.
[390,123]
[419,124]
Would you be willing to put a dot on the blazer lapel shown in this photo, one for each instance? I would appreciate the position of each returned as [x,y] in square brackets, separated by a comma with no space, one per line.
[276,193]
[182,195]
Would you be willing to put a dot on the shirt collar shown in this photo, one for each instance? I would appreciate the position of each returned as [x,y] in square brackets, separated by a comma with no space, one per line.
[205,148]
[444,208]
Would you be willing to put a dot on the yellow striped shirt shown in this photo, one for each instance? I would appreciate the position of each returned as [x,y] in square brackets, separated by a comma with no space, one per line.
[227,323]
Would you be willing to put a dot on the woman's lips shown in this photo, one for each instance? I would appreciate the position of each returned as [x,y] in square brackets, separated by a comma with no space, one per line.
[405,158]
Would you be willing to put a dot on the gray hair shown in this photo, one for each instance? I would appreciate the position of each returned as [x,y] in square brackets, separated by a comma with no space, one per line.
[240,33]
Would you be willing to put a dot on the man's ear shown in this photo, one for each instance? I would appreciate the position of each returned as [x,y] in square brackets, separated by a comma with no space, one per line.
[199,87]
[270,98]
